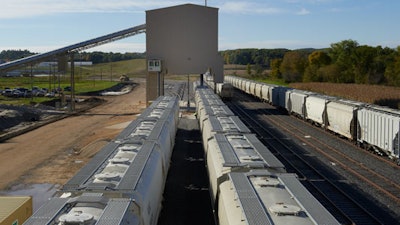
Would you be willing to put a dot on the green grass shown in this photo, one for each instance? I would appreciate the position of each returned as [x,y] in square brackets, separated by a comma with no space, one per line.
[81,86]
[87,79]
[23,101]
[273,81]
[132,68]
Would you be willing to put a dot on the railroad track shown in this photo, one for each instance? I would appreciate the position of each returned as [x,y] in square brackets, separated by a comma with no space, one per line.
[385,185]
[325,185]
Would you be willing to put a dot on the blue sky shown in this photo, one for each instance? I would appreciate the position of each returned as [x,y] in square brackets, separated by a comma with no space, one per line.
[44,25]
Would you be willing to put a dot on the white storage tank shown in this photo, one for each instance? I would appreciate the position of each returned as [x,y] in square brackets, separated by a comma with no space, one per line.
[230,152]
[260,197]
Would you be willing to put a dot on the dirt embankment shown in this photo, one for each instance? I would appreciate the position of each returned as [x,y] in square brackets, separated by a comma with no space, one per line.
[54,152]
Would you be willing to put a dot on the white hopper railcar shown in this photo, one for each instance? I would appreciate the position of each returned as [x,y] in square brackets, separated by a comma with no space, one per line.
[260,197]
[222,124]
[379,129]
[135,164]
[87,209]
[233,152]
[161,131]
[212,110]
[132,170]
[207,103]
[225,90]
[258,89]
[266,92]
[295,102]
[164,109]
[247,86]
[342,117]
[316,109]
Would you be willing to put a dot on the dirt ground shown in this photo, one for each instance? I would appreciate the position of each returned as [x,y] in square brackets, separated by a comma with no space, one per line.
[55,152]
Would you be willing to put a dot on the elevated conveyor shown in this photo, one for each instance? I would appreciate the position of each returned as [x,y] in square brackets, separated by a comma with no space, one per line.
[74,48]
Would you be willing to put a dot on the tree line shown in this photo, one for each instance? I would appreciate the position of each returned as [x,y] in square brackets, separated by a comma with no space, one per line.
[95,57]
[343,62]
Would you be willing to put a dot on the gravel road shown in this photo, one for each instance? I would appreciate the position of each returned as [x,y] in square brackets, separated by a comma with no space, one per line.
[53,153]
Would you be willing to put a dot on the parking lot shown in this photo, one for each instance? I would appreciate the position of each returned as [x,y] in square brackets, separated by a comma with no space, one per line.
[34,92]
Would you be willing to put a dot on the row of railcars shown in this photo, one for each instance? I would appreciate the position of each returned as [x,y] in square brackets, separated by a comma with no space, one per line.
[248,184]
[373,127]
[124,181]
[224,90]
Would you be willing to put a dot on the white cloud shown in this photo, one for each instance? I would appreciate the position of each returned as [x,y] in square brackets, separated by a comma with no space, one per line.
[246,7]
[30,8]
[303,11]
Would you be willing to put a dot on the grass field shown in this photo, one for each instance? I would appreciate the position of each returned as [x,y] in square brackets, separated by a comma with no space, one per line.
[376,94]
[87,79]
[131,68]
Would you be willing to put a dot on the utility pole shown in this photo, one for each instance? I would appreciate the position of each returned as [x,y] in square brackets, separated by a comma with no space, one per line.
[188,92]
[72,82]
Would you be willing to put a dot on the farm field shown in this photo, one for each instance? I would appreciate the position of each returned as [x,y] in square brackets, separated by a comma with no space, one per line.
[376,94]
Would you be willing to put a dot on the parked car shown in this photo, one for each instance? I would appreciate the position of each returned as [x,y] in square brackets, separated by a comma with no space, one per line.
[50,94]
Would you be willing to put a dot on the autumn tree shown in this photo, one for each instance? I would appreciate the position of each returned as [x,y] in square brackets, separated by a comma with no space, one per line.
[275,71]
[248,69]
[316,60]
[293,66]
[392,72]
[343,55]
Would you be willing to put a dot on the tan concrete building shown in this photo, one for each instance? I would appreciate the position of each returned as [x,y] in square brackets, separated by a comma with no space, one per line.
[185,39]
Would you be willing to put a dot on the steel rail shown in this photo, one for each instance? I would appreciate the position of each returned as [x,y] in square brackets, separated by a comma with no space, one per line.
[352,169]
[355,217]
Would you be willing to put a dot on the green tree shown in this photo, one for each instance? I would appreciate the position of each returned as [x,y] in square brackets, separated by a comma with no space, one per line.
[248,69]
[275,71]
[293,66]
[316,60]
[329,73]
[392,72]
[343,55]
[363,63]
[382,59]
